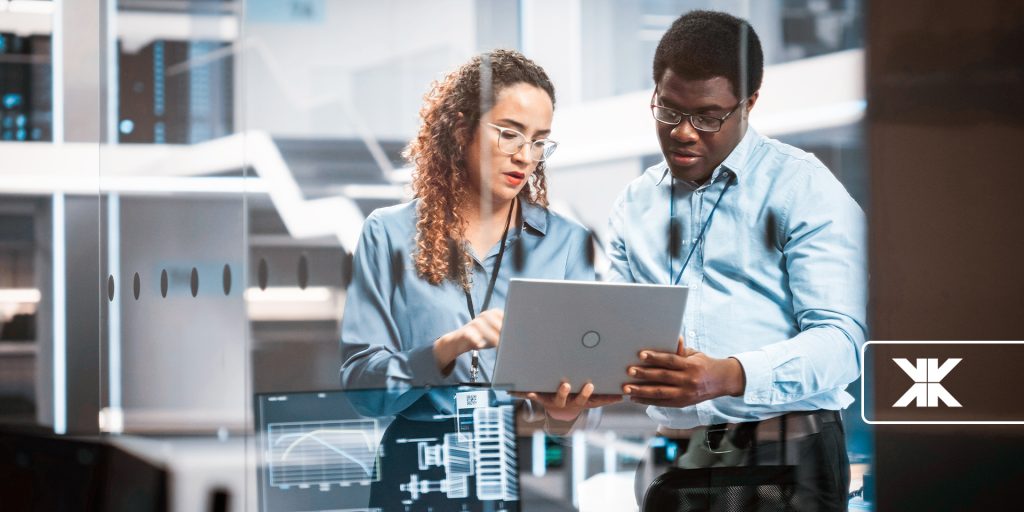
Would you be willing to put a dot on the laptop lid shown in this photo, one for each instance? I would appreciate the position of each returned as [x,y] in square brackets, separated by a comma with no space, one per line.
[582,331]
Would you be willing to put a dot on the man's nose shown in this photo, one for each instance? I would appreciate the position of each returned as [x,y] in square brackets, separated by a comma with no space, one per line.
[684,131]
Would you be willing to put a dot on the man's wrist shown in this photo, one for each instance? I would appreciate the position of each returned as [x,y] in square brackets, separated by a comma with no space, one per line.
[737,377]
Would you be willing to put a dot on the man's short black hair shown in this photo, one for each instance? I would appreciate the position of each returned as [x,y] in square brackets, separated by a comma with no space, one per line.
[705,44]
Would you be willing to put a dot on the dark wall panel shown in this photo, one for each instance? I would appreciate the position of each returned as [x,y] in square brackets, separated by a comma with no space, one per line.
[945,127]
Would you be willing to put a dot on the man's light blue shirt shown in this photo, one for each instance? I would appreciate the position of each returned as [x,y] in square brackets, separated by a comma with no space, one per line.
[779,281]
[392,316]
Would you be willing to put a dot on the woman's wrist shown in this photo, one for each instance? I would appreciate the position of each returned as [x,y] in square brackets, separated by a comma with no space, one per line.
[556,426]
[446,350]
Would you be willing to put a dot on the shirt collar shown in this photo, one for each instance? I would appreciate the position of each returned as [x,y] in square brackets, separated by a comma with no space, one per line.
[737,162]
[534,215]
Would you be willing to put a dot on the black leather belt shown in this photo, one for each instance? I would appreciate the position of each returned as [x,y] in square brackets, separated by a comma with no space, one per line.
[794,425]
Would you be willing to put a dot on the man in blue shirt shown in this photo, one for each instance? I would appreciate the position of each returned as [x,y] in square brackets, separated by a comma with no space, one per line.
[772,249]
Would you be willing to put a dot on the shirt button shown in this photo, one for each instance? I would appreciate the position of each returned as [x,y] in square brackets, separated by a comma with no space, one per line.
[691,334]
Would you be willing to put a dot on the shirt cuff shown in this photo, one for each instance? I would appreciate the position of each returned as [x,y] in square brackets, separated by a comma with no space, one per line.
[423,366]
[757,370]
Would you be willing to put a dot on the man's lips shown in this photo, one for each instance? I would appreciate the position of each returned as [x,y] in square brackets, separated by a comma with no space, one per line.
[684,157]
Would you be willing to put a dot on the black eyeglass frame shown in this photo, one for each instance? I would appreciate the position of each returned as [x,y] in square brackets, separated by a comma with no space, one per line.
[689,117]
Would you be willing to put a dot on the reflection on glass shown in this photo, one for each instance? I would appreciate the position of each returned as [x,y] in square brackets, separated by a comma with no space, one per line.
[303,271]
[163,283]
[226,279]
[263,274]
[321,450]
[194,281]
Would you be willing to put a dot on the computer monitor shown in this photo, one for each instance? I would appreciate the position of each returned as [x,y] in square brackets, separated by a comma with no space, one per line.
[322,451]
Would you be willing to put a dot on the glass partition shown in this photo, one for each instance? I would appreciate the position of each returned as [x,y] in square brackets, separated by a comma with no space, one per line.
[174,183]
[195,279]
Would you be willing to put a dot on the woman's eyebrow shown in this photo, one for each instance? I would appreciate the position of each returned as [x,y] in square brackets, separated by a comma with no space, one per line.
[515,124]
[520,126]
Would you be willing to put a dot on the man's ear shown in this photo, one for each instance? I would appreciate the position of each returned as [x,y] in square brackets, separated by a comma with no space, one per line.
[750,103]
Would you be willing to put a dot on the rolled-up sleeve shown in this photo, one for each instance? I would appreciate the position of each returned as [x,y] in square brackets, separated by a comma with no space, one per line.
[372,353]
[824,247]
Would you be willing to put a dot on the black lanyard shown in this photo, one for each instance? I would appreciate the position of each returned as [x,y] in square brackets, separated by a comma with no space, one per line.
[474,370]
[700,237]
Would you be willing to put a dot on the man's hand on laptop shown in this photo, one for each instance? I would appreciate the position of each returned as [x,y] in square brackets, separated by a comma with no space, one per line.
[683,378]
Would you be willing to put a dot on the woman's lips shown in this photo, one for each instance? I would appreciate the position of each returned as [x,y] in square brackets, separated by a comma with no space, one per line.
[514,178]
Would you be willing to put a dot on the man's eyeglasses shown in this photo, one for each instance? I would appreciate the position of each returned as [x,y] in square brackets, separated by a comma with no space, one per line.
[511,141]
[700,122]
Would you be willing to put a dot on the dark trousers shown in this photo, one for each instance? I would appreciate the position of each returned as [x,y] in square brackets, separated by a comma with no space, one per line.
[822,467]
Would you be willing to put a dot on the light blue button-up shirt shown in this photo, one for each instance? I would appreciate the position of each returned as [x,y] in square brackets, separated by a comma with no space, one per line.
[392,316]
[779,281]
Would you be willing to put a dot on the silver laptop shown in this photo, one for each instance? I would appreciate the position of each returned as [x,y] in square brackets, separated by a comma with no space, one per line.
[582,331]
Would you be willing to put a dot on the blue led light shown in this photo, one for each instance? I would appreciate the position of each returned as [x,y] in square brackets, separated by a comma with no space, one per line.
[158,78]
[12,100]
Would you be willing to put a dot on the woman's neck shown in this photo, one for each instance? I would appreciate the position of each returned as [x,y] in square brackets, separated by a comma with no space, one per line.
[498,211]
[483,231]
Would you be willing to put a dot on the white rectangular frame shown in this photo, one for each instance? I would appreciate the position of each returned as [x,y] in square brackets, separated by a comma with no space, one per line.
[863,414]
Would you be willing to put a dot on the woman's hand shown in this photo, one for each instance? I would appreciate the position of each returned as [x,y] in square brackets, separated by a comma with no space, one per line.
[480,333]
[564,406]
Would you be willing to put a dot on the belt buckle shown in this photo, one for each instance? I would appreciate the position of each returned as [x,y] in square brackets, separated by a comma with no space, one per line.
[718,433]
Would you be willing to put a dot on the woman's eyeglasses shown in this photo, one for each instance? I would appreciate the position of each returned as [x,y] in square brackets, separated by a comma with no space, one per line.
[511,141]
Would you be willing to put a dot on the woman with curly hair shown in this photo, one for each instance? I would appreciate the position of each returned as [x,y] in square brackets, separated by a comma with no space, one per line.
[431,276]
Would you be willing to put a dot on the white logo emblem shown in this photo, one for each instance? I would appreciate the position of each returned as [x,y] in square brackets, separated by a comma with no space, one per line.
[927,390]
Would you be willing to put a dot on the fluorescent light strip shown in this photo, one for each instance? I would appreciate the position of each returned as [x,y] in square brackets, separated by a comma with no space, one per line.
[59,321]
[31,6]
[28,184]
[539,466]
[20,295]
[579,465]
[611,454]
[288,294]
[114,307]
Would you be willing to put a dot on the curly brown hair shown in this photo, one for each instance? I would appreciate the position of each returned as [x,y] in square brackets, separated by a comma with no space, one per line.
[451,112]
